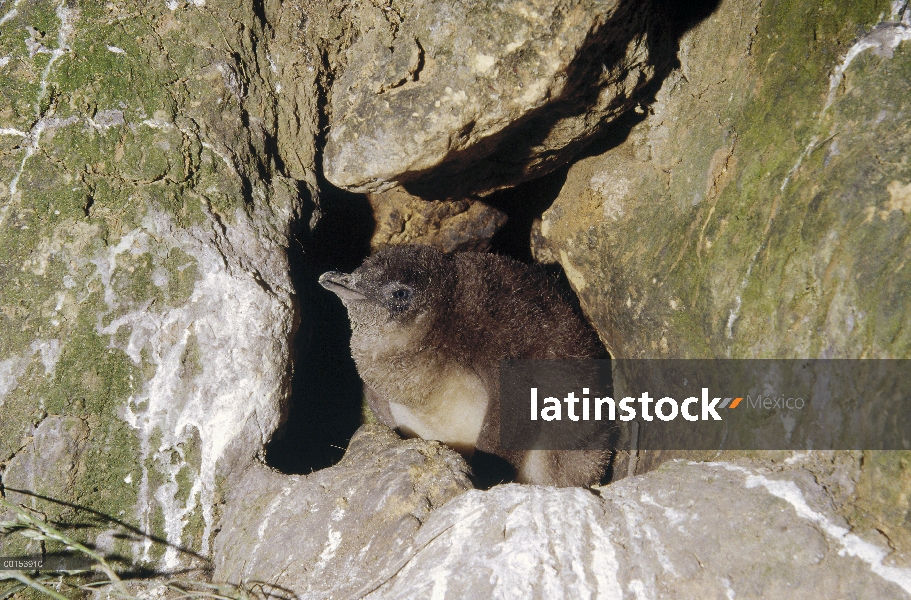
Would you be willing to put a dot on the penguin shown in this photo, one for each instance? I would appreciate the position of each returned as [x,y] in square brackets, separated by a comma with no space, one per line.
[428,333]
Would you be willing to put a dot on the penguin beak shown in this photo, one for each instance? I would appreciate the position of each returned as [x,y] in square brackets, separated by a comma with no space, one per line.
[341,285]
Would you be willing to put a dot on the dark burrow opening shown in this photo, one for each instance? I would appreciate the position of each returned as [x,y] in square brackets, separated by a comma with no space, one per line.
[326,402]
[325,406]
[326,392]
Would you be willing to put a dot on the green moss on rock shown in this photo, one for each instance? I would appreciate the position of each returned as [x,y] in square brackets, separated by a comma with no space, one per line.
[757,212]
[130,135]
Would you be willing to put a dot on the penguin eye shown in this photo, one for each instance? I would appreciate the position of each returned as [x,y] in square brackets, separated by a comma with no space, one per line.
[398,299]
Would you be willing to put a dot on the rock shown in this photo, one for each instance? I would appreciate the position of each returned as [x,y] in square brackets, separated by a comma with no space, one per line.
[454,99]
[342,531]
[757,211]
[683,531]
[146,294]
[734,222]
[450,226]
[49,463]
[154,159]
[393,521]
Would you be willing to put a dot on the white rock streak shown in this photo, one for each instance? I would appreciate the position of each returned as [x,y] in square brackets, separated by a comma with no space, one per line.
[851,544]
[538,548]
[274,505]
[883,40]
[11,369]
[12,14]
[237,332]
[211,148]
[67,17]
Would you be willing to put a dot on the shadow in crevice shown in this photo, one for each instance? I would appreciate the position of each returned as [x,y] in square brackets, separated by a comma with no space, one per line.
[324,407]
[526,202]
[680,16]
[326,393]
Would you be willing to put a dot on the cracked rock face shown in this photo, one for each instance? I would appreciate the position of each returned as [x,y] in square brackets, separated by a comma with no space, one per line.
[453,99]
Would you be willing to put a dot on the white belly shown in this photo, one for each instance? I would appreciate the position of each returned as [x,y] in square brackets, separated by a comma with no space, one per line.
[453,413]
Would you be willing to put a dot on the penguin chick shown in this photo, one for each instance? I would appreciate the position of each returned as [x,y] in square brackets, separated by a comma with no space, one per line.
[428,333]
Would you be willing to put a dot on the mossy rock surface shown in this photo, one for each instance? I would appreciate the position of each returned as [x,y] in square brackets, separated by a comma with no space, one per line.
[146,310]
[759,208]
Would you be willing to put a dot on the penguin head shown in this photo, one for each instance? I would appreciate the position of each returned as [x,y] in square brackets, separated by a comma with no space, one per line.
[401,287]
